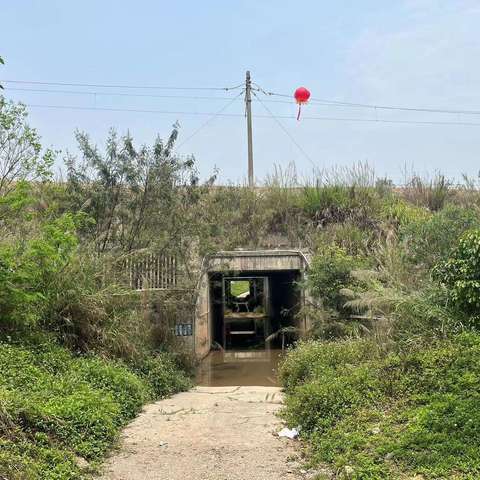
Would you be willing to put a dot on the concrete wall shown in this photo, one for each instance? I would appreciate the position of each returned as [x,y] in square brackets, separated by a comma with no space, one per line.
[169,309]
[202,330]
[239,261]
[262,260]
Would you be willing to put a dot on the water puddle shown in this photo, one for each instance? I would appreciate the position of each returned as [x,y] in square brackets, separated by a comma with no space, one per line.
[239,367]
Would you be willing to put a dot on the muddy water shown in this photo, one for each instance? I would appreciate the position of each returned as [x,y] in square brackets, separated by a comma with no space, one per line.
[239,367]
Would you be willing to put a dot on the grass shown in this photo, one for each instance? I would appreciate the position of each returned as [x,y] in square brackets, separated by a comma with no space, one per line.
[59,413]
[237,287]
[392,415]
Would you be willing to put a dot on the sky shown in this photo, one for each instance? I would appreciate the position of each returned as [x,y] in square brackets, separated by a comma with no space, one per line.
[413,53]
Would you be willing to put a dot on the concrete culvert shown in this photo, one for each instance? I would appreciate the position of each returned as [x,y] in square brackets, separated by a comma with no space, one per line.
[247,314]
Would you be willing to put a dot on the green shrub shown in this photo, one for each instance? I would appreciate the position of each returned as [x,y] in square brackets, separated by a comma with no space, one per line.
[354,240]
[318,199]
[30,264]
[87,420]
[55,405]
[411,316]
[312,358]
[390,415]
[330,271]
[461,273]
[399,212]
[430,240]
[126,388]
[25,460]
[161,372]
[318,404]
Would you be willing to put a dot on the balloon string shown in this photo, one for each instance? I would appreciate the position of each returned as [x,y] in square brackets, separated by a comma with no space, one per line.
[299,110]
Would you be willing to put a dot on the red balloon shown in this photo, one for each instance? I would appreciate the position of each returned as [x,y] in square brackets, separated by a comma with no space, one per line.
[301,95]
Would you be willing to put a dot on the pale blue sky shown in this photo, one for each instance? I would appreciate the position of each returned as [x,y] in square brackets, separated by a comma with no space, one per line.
[405,52]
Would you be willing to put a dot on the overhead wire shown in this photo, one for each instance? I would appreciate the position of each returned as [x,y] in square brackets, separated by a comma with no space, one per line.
[115,94]
[94,93]
[318,101]
[104,85]
[289,117]
[130,110]
[217,98]
[335,103]
[258,87]
[209,120]
[285,130]
[376,107]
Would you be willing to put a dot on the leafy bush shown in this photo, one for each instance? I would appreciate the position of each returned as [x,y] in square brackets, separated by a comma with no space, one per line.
[126,388]
[29,267]
[318,199]
[430,240]
[461,273]
[391,415]
[55,406]
[136,195]
[20,149]
[329,273]
[354,240]
[313,358]
[398,211]
[162,374]
[25,460]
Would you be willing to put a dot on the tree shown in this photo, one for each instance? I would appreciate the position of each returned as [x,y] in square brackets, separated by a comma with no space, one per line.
[137,197]
[21,156]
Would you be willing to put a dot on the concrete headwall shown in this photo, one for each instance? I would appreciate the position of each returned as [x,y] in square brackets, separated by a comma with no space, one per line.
[235,262]
[262,260]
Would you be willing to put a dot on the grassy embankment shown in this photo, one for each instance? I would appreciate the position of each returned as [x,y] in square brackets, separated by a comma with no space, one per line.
[368,415]
[389,385]
[60,412]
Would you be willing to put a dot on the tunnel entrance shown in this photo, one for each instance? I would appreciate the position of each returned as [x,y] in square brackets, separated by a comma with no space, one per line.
[250,300]
[248,308]
[254,309]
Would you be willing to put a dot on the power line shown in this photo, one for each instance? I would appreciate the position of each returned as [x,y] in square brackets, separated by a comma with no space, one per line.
[269,93]
[280,124]
[209,120]
[122,94]
[381,120]
[104,85]
[116,94]
[288,117]
[319,101]
[335,103]
[197,97]
[130,110]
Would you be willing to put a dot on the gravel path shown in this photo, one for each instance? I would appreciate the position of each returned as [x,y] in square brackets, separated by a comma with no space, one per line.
[208,433]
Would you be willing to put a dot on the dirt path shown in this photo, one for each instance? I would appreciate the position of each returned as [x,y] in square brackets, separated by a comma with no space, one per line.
[208,433]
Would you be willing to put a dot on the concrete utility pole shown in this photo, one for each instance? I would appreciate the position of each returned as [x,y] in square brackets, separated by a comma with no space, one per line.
[248,106]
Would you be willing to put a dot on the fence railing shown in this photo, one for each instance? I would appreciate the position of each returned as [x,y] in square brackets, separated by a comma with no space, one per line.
[151,272]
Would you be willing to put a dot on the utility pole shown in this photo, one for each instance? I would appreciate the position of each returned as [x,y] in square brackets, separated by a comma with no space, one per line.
[248,106]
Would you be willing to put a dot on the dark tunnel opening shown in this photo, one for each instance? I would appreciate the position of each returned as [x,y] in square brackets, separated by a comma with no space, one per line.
[250,307]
